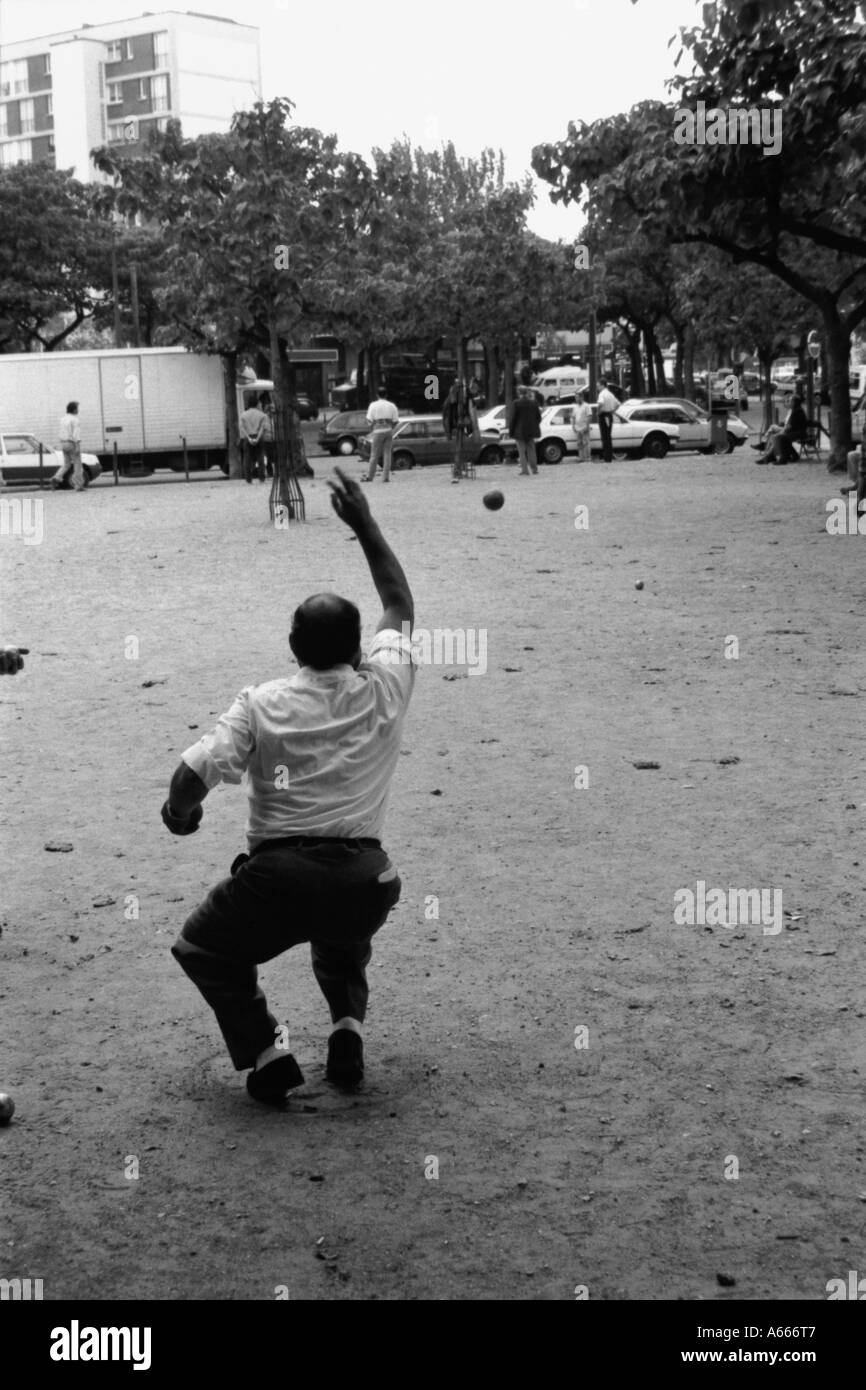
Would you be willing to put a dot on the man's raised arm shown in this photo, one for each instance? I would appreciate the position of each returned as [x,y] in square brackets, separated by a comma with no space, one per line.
[351,506]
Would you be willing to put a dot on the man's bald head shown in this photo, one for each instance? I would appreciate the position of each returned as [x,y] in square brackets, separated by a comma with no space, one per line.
[326,632]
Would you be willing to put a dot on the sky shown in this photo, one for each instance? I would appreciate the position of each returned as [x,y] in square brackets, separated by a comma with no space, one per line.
[478,72]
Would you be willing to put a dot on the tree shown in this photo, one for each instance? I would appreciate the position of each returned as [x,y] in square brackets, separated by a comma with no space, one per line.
[802,61]
[252,221]
[53,254]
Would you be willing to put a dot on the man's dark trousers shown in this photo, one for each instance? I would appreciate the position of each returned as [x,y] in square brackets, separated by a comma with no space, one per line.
[254,460]
[605,425]
[326,892]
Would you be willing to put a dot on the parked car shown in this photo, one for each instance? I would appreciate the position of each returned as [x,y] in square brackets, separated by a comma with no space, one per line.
[422,440]
[493,419]
[307,408]
[342,433]
[19,460]
[630,437]
[695,430]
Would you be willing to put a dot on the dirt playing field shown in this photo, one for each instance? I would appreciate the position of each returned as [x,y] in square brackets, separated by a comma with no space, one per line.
[712,1122]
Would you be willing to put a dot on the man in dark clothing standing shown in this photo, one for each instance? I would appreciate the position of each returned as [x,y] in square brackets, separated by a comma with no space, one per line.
[524,426]
[607,407]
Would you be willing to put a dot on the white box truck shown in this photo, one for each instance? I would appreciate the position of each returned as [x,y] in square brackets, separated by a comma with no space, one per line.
[147,399]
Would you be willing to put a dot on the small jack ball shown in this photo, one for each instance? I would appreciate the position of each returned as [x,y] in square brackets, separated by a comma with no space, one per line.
[638,583]
[7,1108]
[493,501]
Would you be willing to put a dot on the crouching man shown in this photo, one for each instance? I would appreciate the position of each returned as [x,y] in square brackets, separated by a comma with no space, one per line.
[319,750]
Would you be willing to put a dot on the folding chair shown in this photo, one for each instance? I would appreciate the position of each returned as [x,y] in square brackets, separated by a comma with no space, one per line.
[810,444]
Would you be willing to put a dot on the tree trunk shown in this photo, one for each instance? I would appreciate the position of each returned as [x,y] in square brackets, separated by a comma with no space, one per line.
[660,367]
[494,379]
[632,347]
[233,448]
[689,361]
[766,359]
[838,339]
[461,358]
[679,336]
[508,369]
[648,340]
[283,377]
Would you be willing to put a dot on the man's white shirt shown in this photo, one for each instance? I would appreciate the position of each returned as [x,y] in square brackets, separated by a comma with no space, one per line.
[607,401]
[383,414]
[318,748]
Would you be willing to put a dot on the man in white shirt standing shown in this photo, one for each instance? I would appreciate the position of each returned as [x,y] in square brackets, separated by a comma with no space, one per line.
[318,750]
[384,416]
[252,423]
[607,406]
[70,443]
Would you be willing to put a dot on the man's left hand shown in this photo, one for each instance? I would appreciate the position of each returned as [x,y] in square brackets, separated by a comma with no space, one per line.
[182,825]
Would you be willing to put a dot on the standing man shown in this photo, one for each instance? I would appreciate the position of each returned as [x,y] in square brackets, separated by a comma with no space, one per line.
[319,750]
[70,443]
[524,426]
[607,407]
[581,418]
[253,423]
[383,416]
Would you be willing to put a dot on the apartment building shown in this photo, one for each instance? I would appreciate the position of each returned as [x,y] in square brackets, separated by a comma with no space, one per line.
[63,94]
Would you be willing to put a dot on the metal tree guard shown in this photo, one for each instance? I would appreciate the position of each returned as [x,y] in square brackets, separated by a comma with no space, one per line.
[286,499]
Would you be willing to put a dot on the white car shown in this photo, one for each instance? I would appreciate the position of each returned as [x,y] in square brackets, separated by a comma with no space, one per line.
[693,422]
[19,460]
[493,419]
[630,438]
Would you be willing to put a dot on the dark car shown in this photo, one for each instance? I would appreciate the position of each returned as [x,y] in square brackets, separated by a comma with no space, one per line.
[307,408]
[340,434]
[422,440]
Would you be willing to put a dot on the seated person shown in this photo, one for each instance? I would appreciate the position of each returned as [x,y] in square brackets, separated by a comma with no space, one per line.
[780,442]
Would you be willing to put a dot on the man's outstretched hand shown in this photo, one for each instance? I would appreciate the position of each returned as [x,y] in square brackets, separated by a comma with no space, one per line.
[349,501]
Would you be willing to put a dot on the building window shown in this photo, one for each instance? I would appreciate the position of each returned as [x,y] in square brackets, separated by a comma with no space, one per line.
[27,116]
[115,93]
[119,51]
[144,89]
[16,151]
[4,121]
[49,105]
[46,64]
[123,132]
[160,50]
[13,77]
[159,92]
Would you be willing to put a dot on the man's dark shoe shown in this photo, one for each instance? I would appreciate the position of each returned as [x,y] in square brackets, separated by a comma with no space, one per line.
[345,1059]
[270,1084]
